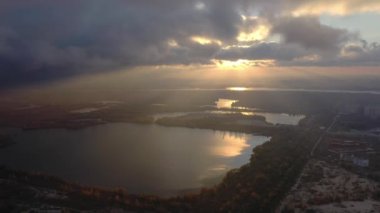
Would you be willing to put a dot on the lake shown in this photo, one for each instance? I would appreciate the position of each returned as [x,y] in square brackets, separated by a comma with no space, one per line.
[273,118]
[222,103]
[148,159]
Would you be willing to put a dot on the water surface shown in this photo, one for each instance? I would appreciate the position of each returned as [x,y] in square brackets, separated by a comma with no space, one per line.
[225,103]
[141,158]
[273,118]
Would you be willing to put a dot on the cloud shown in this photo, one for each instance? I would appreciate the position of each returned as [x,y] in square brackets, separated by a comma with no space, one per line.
[334,7]
[360,54]
[263,51]
[311,34]
[317,7]
[44,40]
[99,26]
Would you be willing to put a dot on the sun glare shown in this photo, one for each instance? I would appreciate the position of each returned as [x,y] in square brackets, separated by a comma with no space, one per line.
[236,65]
[238,88]
[242,64]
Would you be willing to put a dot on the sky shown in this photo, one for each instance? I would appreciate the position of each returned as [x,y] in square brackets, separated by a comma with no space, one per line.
[44,40]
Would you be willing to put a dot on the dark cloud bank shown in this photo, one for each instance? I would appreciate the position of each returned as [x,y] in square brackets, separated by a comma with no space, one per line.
[42,40]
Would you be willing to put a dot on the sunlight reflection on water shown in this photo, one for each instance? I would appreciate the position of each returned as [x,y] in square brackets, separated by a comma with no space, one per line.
[232,146]
[224,103]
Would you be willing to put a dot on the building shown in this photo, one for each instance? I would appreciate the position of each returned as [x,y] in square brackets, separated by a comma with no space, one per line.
[340,146]
[372,112]
[350,151]
[351,109]
[361,160]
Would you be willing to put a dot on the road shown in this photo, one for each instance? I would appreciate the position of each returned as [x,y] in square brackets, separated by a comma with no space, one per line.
[323,134]
[295,186]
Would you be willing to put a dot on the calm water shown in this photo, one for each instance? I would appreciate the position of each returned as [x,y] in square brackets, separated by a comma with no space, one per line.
[141,158]
[301,90]
[273,118]
[221,104]
[224,103]
[278,118]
